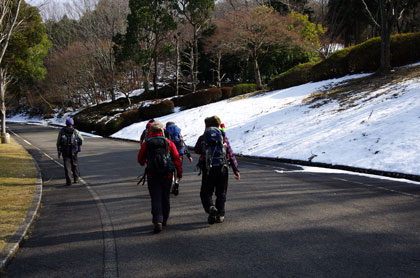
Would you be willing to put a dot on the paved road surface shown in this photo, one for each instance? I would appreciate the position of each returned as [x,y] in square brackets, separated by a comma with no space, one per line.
[278,224]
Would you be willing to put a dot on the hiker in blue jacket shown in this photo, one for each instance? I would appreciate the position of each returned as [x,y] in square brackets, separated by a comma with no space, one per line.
[173,133]
[216,156]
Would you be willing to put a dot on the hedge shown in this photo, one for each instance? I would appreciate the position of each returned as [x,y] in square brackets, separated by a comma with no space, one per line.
[107,123]
[243,88]
[295,76]
[226,92]
[198,98]
[364,57]
[162,108]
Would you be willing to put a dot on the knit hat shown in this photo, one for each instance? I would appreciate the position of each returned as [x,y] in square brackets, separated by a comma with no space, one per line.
[69,122]
[169,123]
[213,121]
[156,126]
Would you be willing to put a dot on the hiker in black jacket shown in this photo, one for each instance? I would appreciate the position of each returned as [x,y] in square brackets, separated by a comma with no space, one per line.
[68,145]
[216,156]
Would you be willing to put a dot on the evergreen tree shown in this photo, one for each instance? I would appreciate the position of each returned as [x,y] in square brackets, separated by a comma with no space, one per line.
[149,24]
[24,45]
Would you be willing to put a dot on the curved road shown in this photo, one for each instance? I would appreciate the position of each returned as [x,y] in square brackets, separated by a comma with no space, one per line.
[279,222]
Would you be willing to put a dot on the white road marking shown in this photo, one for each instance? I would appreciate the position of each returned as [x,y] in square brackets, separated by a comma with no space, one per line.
[110,250]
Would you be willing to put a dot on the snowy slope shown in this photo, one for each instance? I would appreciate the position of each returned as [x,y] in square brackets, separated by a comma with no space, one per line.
[381,132]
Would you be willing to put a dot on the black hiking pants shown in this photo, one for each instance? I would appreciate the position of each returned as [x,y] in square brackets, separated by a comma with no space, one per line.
[159,190]
[216,181]
[71,168]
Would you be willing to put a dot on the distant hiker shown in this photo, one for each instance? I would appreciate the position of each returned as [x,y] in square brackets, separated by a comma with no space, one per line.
[145,133]
[173,133]
[68,145]
[161,157]
[216,156]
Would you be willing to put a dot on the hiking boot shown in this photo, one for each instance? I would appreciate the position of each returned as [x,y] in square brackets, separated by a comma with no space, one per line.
[175,189]
[211,219]
[158,228]
[212,215]
[220,219]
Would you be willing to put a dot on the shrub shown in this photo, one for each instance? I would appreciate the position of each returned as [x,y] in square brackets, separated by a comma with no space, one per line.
[226,92]
[334,66]
[213,94]
[163,92]
[404,49]
[298,75]
[364,57]
[199,98]
[243,88]
[155,110]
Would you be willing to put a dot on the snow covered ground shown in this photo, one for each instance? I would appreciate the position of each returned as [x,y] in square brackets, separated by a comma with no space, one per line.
[381,132]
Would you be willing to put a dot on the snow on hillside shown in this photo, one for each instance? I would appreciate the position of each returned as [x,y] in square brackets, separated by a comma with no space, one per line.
[380,132]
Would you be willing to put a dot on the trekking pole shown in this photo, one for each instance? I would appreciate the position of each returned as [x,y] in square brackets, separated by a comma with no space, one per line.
[143,178]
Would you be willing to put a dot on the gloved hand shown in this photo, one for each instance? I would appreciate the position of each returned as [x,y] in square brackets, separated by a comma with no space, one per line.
[175,189]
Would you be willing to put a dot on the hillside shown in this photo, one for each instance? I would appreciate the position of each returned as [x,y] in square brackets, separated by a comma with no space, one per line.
[358,120]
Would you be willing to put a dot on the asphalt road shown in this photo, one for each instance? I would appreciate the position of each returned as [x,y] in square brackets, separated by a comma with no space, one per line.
[279,222]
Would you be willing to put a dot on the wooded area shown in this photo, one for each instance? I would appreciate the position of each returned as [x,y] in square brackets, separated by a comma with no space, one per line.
[98,48]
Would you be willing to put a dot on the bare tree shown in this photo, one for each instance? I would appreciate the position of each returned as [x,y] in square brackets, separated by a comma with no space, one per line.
[9,13]
[197,14]
[129,79]
[255,30]
[99,23]
[390,11]
[218,46]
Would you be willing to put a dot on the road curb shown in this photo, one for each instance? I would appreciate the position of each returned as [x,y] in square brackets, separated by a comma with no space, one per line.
[13,244]
[338,166]
[397,175]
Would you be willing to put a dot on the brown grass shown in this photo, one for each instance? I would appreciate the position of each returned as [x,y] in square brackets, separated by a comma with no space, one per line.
[17,186]
[347,93]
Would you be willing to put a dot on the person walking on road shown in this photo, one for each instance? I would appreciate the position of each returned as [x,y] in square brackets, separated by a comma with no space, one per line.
[145,134]
[160,156]
[216,156]
[173,133]
[69,141]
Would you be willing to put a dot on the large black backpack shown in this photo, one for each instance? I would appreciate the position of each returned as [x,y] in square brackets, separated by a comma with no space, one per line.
[215,151]
[68,142]
[159,160]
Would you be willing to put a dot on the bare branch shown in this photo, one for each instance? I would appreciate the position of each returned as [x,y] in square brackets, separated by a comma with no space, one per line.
[371,15]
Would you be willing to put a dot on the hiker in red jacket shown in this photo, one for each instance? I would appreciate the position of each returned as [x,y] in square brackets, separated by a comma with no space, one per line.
[145,134]
[160,156]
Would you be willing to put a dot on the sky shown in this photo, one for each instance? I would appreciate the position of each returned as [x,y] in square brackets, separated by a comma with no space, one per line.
[381,131]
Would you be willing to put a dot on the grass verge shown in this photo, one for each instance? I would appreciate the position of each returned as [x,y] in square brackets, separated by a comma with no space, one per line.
[17,186]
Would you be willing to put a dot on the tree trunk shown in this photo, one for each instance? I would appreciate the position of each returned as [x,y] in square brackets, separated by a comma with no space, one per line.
[385,63]
[146,82]
[155,65]
[195,59]
[3,103]
[219,66]
[192,70]
[177,67]
[244,72]
[257,73]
